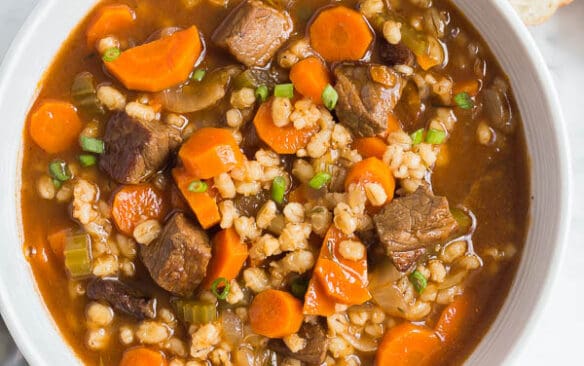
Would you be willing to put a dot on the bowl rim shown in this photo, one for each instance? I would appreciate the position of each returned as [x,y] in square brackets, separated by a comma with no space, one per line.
[25,38]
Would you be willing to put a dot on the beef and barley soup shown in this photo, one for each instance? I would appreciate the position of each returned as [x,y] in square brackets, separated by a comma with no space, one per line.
[276,182]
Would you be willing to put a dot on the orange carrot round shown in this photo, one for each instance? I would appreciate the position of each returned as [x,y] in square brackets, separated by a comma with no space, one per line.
[370,147]
[210,152]
[203,204]
[109,20]
[134,204]
[158,65]
[229,255]
[456,317]
[340,34]
[142,356]
[283,140]
[317,301]
[310,77]
[372,170]
[275,314]
[55,126]
[408,345]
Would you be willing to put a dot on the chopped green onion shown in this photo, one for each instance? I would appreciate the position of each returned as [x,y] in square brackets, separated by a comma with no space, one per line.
[463,100]
[198,186]
[199,74]
[435,137]
[419,281]
[57,183]
[299,287]
[91,144]
[284,91]
[278,189]
[59,170]
[320,180]
[78,255]
[111,54]
[195,312]
[417,136]
[330,97]
[220,288]
[87,160]
[262,92]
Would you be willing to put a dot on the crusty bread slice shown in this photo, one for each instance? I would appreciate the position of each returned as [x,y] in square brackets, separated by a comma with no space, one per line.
[537,11]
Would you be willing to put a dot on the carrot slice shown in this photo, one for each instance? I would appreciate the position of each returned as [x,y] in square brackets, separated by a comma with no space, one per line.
[471,87]
[142,356]
[275,314]
[229,255]
[109,20]
[316,300]
[340,34]
[456,318]
[283,140]
[134,204]
[55,126]
[408,345]
[426,62]
[372,170]
[203,204]
[57,241]
[158,65]
[210,152]
[370,147]
[310,77]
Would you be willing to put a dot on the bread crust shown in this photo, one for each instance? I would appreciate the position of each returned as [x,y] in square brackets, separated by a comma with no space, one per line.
[535,12]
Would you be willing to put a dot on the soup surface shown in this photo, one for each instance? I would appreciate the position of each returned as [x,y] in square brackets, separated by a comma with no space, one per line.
[278,182]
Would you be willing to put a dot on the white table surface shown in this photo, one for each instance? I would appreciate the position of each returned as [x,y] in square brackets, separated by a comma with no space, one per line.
[558,335]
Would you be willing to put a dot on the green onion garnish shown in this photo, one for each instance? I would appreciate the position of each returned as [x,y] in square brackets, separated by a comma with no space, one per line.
[111,54]
[299,287]
[435,137]
[220,288]
[463,100]
[57,183]
[278,189]
[59,170]
[330,97]
[320,180]
[198,186]
[87,160]
[91,144]
[419,281]
[284,91]
[417,136]
[199,74]
[262,92]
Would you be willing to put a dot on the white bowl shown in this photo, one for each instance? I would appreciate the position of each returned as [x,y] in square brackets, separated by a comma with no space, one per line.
[49,25]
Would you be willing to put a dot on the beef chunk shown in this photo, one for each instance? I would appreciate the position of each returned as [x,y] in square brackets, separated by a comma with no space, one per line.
[405,260]
[253,32]
[134,150]
[398,54]
[367,96]
[178,260]
[122,298]
[414,221]
[315,351]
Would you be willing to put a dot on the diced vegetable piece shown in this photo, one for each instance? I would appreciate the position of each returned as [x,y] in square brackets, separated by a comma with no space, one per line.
[463,100]
[198,186]
[93,145]
[87,160]
[210,152]
[340,34]
[160,64]
[203,204]
[111,54]
[278,189]
[370,147]
[457,318]
[283,140]
[84,93]
[317,301]
[59,170]
[435,137]
[419,281]
[262,93]
[417,136]
[284,91]
[57,241]
[229,256]
[462,218]
[109,20]
[220,288]
[134,204]
[372,170]
[408,345]
[195,312]
[142,356]
[198,75]
[275,314]
[299,287]
[311,77]
[470,87]
[330,97]
[55,126]
[320,180]
[78,255]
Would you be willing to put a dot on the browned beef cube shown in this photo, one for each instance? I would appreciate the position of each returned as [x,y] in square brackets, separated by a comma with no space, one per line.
[134,150]
[122,298]
[367,96]
[178,260]
[315,351]
[414,221]
[405,260]
[253,32]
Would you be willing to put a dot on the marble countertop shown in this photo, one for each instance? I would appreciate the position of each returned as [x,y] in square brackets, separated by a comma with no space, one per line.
[557,336]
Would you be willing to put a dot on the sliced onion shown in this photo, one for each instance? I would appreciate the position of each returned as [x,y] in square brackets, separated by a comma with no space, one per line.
[359,341]
[232,327]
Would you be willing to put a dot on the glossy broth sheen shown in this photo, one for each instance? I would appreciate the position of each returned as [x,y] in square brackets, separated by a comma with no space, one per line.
[500,209]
